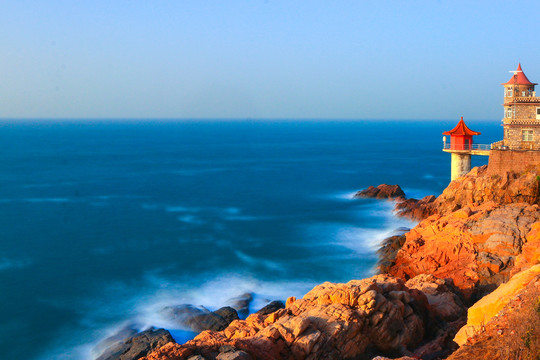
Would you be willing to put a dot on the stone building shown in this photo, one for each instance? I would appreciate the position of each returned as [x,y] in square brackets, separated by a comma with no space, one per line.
[521,120]
[520,147]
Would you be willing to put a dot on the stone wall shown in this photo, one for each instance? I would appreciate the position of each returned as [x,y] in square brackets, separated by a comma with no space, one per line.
[501,161]
[513,136]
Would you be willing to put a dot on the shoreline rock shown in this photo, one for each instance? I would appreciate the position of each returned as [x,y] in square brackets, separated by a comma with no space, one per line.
[134,346]
[382,191]
[473,237]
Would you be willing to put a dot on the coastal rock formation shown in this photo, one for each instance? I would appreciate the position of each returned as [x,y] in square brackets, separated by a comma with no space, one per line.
[241,303]
[382,191]
[359,319]
[271,307]
[475,188]
[475,246]
[511,327]
[476,235]
[490,305]
[445,300]
[134,346]
[199,318]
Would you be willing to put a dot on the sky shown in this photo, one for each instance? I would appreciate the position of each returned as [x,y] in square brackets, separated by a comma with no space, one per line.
[263,59]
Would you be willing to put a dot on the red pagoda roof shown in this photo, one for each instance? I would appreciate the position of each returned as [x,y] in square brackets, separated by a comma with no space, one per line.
[519,78]
[461,130]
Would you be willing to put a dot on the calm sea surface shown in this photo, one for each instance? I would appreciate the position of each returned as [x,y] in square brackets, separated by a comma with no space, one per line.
[102,223]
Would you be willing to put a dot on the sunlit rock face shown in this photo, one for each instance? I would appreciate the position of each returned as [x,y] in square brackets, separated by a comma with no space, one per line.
[358,319]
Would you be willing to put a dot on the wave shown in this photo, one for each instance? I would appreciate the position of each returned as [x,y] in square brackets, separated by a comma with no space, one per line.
[141,308]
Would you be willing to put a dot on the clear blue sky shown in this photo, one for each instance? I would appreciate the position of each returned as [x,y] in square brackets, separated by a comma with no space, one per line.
[263,59]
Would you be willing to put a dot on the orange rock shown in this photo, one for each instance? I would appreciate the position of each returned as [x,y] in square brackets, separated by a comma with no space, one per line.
[490,305]
[332,321]
[475,246]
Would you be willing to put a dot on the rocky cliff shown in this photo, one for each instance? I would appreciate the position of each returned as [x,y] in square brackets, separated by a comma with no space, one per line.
[476,235]
[480,231]
[356,320]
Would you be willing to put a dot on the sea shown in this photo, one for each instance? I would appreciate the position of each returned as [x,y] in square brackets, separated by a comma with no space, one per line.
[103,223]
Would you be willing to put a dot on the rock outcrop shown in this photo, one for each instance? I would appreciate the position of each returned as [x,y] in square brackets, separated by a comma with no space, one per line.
[490,305]
[134,346]
[506,323]
[359,319]
[382,191]
[475,246]
[476,235]
[199,318]
[475,188]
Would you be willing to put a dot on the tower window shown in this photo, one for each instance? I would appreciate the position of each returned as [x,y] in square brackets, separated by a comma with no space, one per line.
[508,112]
[508,92]
[526,135]
[538,113]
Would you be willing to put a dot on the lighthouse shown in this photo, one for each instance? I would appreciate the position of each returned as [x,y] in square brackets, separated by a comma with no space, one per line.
[461,147]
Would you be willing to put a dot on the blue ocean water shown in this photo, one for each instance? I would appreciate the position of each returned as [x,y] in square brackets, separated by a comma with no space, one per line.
[105,222]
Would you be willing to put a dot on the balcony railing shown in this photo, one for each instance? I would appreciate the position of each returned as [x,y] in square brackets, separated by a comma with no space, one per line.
[528,120]
[450,146]
[521,99]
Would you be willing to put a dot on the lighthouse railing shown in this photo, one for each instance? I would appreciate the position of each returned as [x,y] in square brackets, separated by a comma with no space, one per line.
[450,146]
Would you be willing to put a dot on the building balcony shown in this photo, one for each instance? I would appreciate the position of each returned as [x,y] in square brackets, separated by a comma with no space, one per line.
[474,149]
[529,120]
[521,100]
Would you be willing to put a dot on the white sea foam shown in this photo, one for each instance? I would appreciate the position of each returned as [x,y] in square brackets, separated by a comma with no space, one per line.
[342,195]
[140,307]
[255,261]
[362,239]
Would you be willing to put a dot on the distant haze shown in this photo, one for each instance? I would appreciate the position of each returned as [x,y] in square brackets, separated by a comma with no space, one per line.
[263,59]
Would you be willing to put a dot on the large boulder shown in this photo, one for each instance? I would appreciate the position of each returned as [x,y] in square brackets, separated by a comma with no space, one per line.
[199,318]
[271,307]
[445,300]
[241,304]
[134,346]
[382,191]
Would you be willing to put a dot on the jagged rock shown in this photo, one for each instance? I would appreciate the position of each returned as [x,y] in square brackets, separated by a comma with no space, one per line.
[271,307]
[332,321]
[388,250]
[487,307]
[234,355]
[135,346]
[514,331]
[241,303]
[227,313]
[445,299]
[416,209]
[200,319]
[382,191]
[476,247]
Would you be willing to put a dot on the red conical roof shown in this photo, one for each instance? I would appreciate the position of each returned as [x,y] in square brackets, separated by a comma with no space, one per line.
[461,129]
[519,78]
